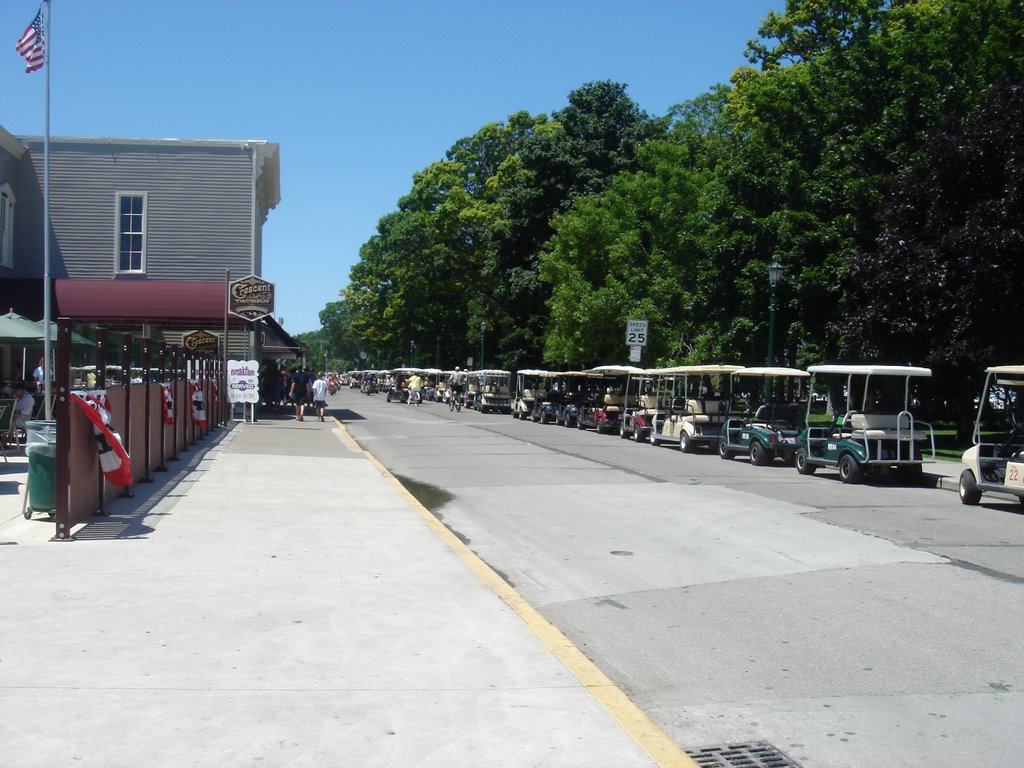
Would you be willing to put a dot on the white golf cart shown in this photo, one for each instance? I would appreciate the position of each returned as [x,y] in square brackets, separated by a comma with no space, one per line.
[875,432]
[995,463]
[493,392]
[528,383]
[697,405]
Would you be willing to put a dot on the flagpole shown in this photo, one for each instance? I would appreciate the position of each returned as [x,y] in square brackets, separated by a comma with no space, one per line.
[48,371]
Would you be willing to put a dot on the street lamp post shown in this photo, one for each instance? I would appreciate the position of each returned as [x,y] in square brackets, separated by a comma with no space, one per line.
[775,270]
[437,353]
[483,328]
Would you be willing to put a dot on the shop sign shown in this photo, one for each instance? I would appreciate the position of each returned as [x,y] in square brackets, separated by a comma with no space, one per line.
[251,297]
[201,343]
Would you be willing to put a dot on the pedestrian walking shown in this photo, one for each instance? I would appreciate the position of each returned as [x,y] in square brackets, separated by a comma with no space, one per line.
[320,395]
[299,392]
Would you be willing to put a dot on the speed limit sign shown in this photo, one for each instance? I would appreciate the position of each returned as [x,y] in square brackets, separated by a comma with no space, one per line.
[636,333]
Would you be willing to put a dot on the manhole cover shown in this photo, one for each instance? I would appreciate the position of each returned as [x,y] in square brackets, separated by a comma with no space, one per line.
[757,755]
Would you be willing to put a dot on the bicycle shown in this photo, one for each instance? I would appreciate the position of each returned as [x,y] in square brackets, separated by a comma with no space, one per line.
[455,401]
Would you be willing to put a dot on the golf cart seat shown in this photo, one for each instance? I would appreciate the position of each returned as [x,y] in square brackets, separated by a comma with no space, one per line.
[697,413]
[875,425]
[528,394]
[613,400]
[648,402]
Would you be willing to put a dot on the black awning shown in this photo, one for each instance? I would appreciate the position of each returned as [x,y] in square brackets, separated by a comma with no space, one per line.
[277,342]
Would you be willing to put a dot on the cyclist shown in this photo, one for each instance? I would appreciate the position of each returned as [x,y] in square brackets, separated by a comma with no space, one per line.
[415,389]
[455,385]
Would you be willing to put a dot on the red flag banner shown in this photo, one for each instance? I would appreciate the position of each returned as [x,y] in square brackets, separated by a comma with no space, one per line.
[198,406]
[114,460]
[168,402]
[31,46]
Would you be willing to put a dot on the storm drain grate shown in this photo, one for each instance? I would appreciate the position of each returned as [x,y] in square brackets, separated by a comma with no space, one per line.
[756,755]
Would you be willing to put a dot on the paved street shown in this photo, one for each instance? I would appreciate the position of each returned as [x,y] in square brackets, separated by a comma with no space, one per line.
[849,626]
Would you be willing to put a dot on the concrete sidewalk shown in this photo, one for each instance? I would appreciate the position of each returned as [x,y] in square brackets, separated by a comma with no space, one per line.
[281,601]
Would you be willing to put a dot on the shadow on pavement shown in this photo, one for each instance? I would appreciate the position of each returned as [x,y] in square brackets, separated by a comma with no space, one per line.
[134,517]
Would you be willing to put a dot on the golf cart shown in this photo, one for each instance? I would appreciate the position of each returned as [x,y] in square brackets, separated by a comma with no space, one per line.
[768,431]
[441,387]
[547,399]
[995,463]
[399,389]
[574,392]
[875,431]
[603,409]
[697,405]
[493,392]
[641,407]
[528,383]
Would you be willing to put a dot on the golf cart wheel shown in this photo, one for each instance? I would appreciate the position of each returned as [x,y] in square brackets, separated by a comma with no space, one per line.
[638,434]
[622,430]
[759,457]
[723,450]
[389,397]
[803,466]
[968,487]
[685,443]
[850,471]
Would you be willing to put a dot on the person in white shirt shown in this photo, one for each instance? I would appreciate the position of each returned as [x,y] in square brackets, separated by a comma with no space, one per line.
[320,395]
[24,405]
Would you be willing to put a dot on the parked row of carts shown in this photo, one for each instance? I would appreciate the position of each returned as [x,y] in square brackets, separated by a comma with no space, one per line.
[856,419]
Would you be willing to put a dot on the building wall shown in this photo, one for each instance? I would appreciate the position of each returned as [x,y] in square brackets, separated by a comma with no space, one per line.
[199,207]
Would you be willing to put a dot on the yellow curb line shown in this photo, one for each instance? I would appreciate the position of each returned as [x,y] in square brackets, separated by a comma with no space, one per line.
[644,731]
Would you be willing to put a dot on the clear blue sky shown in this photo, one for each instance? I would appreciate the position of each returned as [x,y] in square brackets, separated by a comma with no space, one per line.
[360,94]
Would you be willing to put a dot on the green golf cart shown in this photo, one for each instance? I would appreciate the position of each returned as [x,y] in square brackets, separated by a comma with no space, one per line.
[874,431]
[772,415]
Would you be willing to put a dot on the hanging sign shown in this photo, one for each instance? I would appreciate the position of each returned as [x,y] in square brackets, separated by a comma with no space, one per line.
[243,381]
[202,343]
[251,297]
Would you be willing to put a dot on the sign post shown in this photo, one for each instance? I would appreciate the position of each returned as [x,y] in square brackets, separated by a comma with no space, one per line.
[244,384]
[636,338]
[636,333]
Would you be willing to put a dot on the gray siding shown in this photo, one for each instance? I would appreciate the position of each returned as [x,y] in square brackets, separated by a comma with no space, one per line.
[10,174]
[199,200]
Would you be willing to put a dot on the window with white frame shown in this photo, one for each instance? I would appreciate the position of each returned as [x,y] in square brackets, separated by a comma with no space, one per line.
[6,226]
[131,231]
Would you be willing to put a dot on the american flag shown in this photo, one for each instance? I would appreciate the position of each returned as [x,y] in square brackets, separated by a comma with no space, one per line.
[32,45]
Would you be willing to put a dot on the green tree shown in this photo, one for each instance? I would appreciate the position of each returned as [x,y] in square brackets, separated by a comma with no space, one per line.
[592,139]
[639,249]
[939,288]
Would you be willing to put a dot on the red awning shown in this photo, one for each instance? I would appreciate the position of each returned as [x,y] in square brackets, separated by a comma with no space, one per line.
[150,301]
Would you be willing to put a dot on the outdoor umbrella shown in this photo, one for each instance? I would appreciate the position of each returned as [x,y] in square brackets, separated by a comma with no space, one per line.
[15,329]
[77,339]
